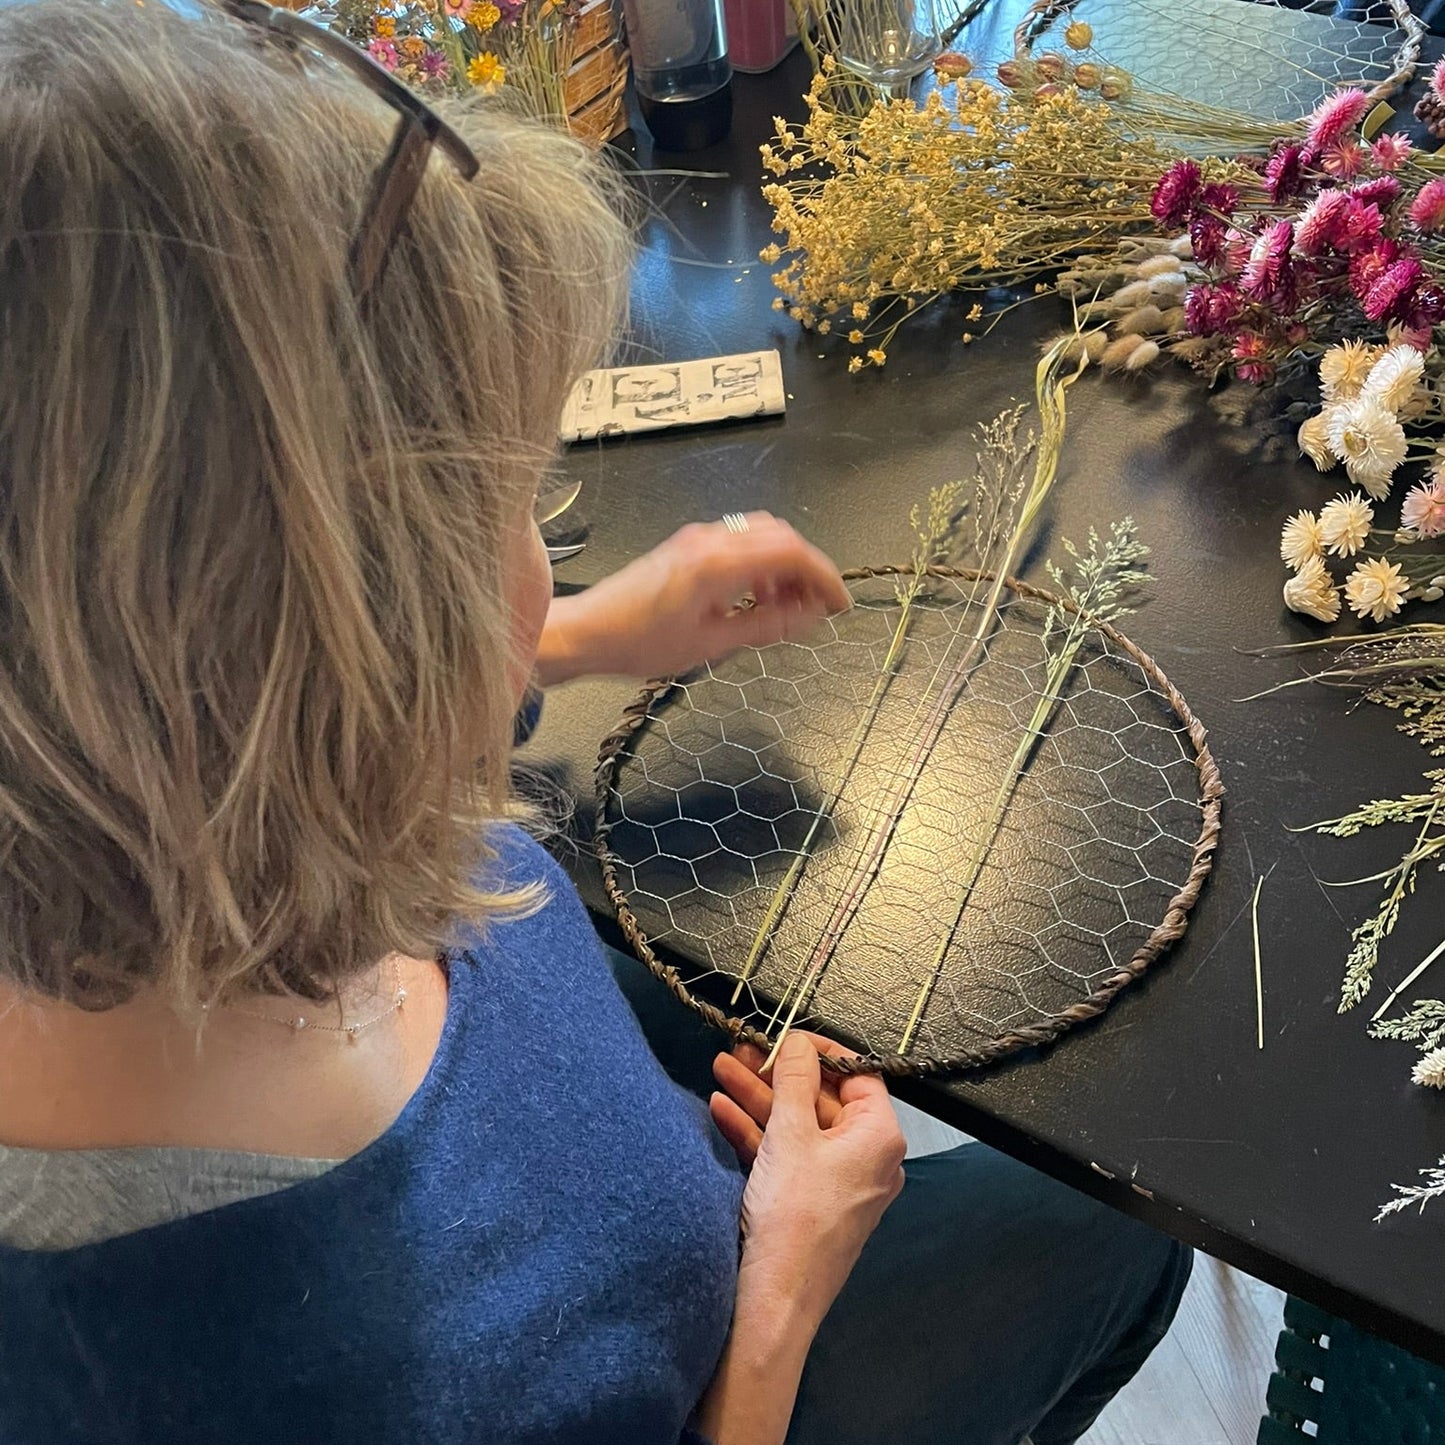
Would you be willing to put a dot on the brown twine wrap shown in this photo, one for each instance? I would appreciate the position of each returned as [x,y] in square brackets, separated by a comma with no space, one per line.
[615,747]
[1042,15]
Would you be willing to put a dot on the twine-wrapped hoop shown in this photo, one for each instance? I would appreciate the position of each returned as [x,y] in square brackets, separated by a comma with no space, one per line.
[620,744]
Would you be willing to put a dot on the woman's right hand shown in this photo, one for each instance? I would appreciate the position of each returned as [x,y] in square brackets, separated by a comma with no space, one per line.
[826,1160]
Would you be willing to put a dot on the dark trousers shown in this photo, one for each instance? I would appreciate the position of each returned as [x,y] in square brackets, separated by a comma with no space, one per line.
[991,1303]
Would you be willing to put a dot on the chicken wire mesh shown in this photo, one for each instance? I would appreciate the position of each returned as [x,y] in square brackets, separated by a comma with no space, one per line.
[737,808]
[1268,59]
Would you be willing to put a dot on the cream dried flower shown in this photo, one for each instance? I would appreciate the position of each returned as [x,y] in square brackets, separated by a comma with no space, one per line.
[1429,1070]
[1141,356]
[1376,589]
[1394,377]
[1345,368]
[1117,353]
[1345,524]
[1300,539]
[1312,591]
[1314,441]
[1145,321]
[1370,442]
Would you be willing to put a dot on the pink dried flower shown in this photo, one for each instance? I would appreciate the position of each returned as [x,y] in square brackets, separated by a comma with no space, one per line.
[383,52]
[1206,237]
[1420,337]
[434,65]
[1284,174]
[1437,80]
[1345,159]
[1209,310]
[1423,510]
[1237,246]
[1209,222]
[1334,117]
[1391,151]
[1267,272]
[1428,306]
[1393,295]
[1318,227]
[1369,264]
[1427,210]
[1220,198]
[1175,194]
[1360,225]
[1382,191]
[1250,352]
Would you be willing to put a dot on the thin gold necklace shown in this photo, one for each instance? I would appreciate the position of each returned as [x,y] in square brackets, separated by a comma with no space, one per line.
[352,1030]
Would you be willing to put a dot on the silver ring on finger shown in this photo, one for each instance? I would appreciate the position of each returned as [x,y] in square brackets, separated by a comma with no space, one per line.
[736,523]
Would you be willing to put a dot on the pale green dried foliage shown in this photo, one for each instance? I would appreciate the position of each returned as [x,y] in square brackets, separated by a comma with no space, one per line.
[1098,580]
[1399,881]
[1423,1025]
[1416,1194]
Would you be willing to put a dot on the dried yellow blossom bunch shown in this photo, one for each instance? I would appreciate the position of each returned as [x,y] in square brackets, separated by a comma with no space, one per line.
[977,185]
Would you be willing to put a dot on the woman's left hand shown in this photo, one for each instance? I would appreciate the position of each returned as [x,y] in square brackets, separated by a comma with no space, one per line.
[705,592]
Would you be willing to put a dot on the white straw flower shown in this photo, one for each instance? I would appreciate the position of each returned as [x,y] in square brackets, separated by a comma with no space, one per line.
[1345,524]
[1314,441]
[1370,442]
[1301,539]
[1376,589]
[1343,369]
[1430,1070]
[1394,377]
[1312,591]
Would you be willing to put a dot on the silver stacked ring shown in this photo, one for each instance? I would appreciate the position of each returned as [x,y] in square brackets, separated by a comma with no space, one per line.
[735,522]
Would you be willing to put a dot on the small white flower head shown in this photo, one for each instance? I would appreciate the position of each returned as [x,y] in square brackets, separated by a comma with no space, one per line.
[1430,1070]
[1345,524]
[1344,368]
[1301,539]
[1369,441]
[1314,441]
[1312,591]
[1394,377]
[1376,589]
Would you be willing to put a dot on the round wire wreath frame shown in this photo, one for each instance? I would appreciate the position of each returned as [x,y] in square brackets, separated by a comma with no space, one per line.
[1043,15]
[616,747]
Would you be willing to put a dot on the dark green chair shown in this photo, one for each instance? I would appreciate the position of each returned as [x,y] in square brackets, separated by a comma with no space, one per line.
[1336,1385]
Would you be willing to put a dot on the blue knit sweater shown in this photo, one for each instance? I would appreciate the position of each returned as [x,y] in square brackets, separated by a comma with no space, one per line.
[543,1247]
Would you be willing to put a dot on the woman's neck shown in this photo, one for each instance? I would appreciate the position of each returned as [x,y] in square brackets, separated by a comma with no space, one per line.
[141,1075]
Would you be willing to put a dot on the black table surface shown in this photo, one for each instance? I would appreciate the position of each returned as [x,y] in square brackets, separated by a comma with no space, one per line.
[1274,1160]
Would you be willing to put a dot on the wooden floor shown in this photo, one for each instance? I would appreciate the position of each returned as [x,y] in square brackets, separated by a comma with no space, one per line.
[1205,1384]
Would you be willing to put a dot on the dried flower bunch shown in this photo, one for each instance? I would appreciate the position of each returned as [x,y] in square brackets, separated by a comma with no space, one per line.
[979,184]
[464,45]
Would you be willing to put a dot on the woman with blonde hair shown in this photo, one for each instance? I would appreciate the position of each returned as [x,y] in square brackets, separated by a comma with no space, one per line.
[321,1113]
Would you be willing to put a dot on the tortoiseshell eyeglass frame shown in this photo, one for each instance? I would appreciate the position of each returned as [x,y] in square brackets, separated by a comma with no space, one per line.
[418,129]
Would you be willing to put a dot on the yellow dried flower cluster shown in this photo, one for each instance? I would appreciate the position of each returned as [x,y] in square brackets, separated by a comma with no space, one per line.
[976,185]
